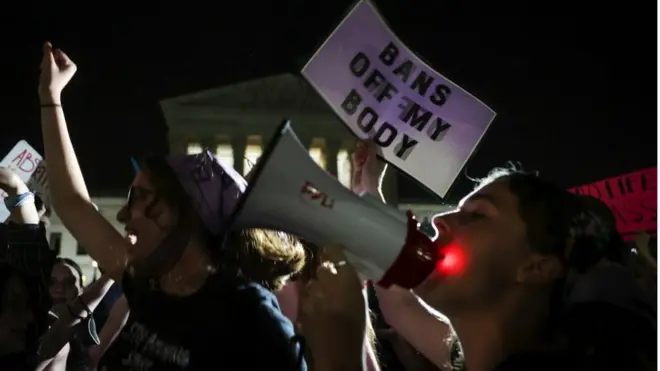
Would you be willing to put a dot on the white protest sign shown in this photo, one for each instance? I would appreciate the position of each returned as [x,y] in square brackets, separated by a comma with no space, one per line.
[28,164]
[425,124]
[38,183]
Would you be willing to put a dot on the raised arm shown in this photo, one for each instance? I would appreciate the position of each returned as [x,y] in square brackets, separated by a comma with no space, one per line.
[426,330]
[68,190]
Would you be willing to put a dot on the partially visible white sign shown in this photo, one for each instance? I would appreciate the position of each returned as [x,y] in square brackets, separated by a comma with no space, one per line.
[425,124]
[25,161]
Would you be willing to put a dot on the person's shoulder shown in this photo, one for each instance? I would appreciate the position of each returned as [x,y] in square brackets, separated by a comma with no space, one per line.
[253,297]
[252,306]
[262,325]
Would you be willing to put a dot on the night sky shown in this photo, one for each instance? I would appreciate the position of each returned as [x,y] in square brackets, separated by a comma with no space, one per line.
[573,82]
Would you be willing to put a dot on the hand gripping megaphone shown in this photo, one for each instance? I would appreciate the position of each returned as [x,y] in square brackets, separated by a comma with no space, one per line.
[289,192]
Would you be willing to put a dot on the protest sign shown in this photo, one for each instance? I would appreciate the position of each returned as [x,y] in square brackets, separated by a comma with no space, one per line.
[632,198]
[38,182]
[426,125]
[28,164]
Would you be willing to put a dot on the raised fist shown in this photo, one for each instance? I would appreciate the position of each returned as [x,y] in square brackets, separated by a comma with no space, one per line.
[56,72]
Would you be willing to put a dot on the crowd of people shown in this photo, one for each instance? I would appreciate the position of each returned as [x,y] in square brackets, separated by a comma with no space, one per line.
[547,283]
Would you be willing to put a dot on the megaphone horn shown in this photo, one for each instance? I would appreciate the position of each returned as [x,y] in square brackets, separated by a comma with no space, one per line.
[289,192]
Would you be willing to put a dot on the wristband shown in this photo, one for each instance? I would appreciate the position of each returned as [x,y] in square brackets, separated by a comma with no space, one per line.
[14,202]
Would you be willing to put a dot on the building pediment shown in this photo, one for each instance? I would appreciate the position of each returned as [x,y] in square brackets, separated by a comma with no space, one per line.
[284,92]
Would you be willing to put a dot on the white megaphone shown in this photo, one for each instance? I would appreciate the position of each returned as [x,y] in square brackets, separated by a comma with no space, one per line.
[289,192]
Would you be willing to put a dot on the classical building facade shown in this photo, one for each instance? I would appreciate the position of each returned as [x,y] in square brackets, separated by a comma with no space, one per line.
[236,122]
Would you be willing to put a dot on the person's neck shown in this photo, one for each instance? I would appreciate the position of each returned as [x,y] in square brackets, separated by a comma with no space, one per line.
[190,273]
[489,337]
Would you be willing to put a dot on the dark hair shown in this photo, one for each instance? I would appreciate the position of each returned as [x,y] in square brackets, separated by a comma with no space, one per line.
[615,250]
[264,256]
[258,255]
[312,262]
[74,265]
[548,212]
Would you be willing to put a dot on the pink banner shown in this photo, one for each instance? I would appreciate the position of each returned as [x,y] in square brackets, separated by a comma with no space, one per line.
[632,198]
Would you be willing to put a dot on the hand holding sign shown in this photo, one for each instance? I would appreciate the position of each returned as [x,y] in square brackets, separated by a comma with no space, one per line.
[11,183]
[366,168]
[56,72]
[382,91]
[26,163]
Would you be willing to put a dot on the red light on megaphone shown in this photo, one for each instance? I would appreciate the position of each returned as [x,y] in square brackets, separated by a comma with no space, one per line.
[453,261]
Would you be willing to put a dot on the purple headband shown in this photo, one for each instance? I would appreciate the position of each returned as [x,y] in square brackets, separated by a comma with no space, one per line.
[215,188]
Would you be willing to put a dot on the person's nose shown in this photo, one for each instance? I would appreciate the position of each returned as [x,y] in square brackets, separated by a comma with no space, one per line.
[442,224]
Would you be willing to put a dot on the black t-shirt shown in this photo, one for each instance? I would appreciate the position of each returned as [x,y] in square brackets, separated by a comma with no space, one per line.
[78,358]
[225,325]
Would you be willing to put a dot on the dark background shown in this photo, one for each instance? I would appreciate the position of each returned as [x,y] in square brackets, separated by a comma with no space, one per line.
[573,82]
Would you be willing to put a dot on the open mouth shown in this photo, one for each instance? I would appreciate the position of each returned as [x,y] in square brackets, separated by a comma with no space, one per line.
[131,236]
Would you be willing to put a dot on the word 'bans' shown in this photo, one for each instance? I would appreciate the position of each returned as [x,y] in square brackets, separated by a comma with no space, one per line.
[381,89]
[405,70]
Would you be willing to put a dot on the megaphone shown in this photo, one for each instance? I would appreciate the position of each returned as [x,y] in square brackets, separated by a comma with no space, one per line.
[289,192]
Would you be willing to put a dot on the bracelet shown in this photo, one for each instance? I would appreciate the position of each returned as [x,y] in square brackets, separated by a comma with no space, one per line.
[12,203]
[50,105]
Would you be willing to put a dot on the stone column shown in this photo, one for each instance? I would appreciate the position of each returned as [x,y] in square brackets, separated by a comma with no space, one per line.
[238,145]
[332,147]
[208,143]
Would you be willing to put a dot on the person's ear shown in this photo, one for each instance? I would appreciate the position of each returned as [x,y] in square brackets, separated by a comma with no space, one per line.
[540,269]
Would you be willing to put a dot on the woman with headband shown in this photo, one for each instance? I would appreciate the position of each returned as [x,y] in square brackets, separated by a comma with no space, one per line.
[199,296]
